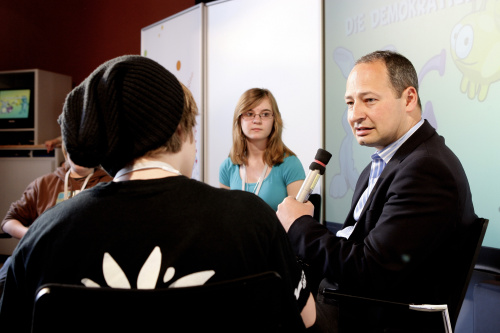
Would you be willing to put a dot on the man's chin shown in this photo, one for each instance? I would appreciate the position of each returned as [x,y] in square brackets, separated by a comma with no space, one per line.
[363,142]
[367,143]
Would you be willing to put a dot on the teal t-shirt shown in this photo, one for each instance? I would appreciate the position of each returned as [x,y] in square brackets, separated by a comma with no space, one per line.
[273,189]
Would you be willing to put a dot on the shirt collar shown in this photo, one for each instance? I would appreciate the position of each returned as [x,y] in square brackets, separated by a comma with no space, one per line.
[388,152]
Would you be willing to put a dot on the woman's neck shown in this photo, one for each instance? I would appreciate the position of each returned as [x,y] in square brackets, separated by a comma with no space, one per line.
[256,150]
[255,161]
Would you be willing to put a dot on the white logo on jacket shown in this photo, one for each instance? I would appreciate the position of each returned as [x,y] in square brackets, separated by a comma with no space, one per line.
[148,276]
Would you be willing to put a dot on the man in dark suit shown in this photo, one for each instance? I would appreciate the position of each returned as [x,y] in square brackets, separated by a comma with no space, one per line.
[410,212]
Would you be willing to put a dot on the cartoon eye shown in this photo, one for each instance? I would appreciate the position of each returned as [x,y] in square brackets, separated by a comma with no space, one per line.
[454,35]
[462,38]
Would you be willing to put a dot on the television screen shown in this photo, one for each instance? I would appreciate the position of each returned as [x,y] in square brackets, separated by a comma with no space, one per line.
[17,107]
[14,104]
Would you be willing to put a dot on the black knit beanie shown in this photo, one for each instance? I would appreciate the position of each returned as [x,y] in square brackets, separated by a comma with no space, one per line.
[128,106]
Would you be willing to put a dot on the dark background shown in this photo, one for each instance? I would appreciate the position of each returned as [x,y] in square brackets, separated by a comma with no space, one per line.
[74,37]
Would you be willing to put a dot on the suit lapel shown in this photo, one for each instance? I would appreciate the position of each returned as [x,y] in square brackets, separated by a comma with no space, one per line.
[422,134]
[361,185]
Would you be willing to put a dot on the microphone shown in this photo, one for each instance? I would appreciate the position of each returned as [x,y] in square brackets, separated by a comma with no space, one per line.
[317,168]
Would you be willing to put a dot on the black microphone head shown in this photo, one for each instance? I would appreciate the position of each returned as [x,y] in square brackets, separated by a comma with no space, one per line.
[323,156]
[321,160]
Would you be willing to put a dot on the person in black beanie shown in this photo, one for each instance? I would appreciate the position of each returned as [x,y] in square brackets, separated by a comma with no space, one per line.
[152,226]
[118,113]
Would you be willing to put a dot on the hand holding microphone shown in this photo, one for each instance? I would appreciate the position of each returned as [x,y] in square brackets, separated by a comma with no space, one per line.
[316,169]
[290,210]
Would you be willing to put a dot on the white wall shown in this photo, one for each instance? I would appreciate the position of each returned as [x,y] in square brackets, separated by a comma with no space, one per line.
[267,44]
[177,44]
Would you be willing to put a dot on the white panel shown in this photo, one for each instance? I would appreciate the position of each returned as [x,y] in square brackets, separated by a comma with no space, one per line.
[177,44]
[267,44]
[455,48]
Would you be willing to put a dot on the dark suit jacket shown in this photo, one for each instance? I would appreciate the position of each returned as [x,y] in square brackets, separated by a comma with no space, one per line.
[404,245]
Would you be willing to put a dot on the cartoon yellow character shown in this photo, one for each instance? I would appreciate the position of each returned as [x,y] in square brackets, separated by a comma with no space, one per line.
[475,48]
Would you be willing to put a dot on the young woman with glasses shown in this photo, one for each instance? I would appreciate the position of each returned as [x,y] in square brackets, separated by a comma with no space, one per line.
[259,161]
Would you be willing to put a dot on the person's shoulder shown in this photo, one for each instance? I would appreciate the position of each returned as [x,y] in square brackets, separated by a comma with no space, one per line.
[292,162]
[200,187]
[235,198]
[227,163]
[430,157]
[424,144]
[102,175]
[59,172]
[434,147]
[50,178]
[53,216]
[227,168]
[247,201]
[291,159]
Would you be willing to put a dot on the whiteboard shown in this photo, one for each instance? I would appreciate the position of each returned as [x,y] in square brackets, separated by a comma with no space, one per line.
[266,44]
[455,48]
[177,44]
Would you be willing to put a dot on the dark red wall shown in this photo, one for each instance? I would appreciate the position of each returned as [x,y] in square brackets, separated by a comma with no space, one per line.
[74,37]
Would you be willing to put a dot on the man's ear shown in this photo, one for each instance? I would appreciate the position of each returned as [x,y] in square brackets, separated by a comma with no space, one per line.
[411,97]
[180,132]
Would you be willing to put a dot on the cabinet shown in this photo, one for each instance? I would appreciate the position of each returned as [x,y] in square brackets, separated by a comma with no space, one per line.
[42,94]
[19,166]
[30,102]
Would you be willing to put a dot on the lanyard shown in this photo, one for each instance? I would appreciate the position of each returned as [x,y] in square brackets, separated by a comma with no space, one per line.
[259,182]
[147,165]
[66,179]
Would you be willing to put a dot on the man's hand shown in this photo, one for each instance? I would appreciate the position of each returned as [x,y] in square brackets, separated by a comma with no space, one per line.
[290,210]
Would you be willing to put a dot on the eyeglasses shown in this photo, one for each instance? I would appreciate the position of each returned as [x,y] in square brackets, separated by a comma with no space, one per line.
[250,115]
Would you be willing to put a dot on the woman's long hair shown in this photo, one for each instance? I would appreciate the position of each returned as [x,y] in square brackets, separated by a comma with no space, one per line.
[276,151]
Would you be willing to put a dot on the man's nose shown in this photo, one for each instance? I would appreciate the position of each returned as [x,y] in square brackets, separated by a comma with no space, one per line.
[356,113]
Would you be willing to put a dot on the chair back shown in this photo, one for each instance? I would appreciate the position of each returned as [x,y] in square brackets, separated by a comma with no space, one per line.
[457,287]
[469,252]
[258,303]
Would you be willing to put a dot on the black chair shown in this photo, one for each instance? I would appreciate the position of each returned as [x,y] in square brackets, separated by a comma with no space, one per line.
[257,303]
[484,293]
[486,305]
[459,285]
